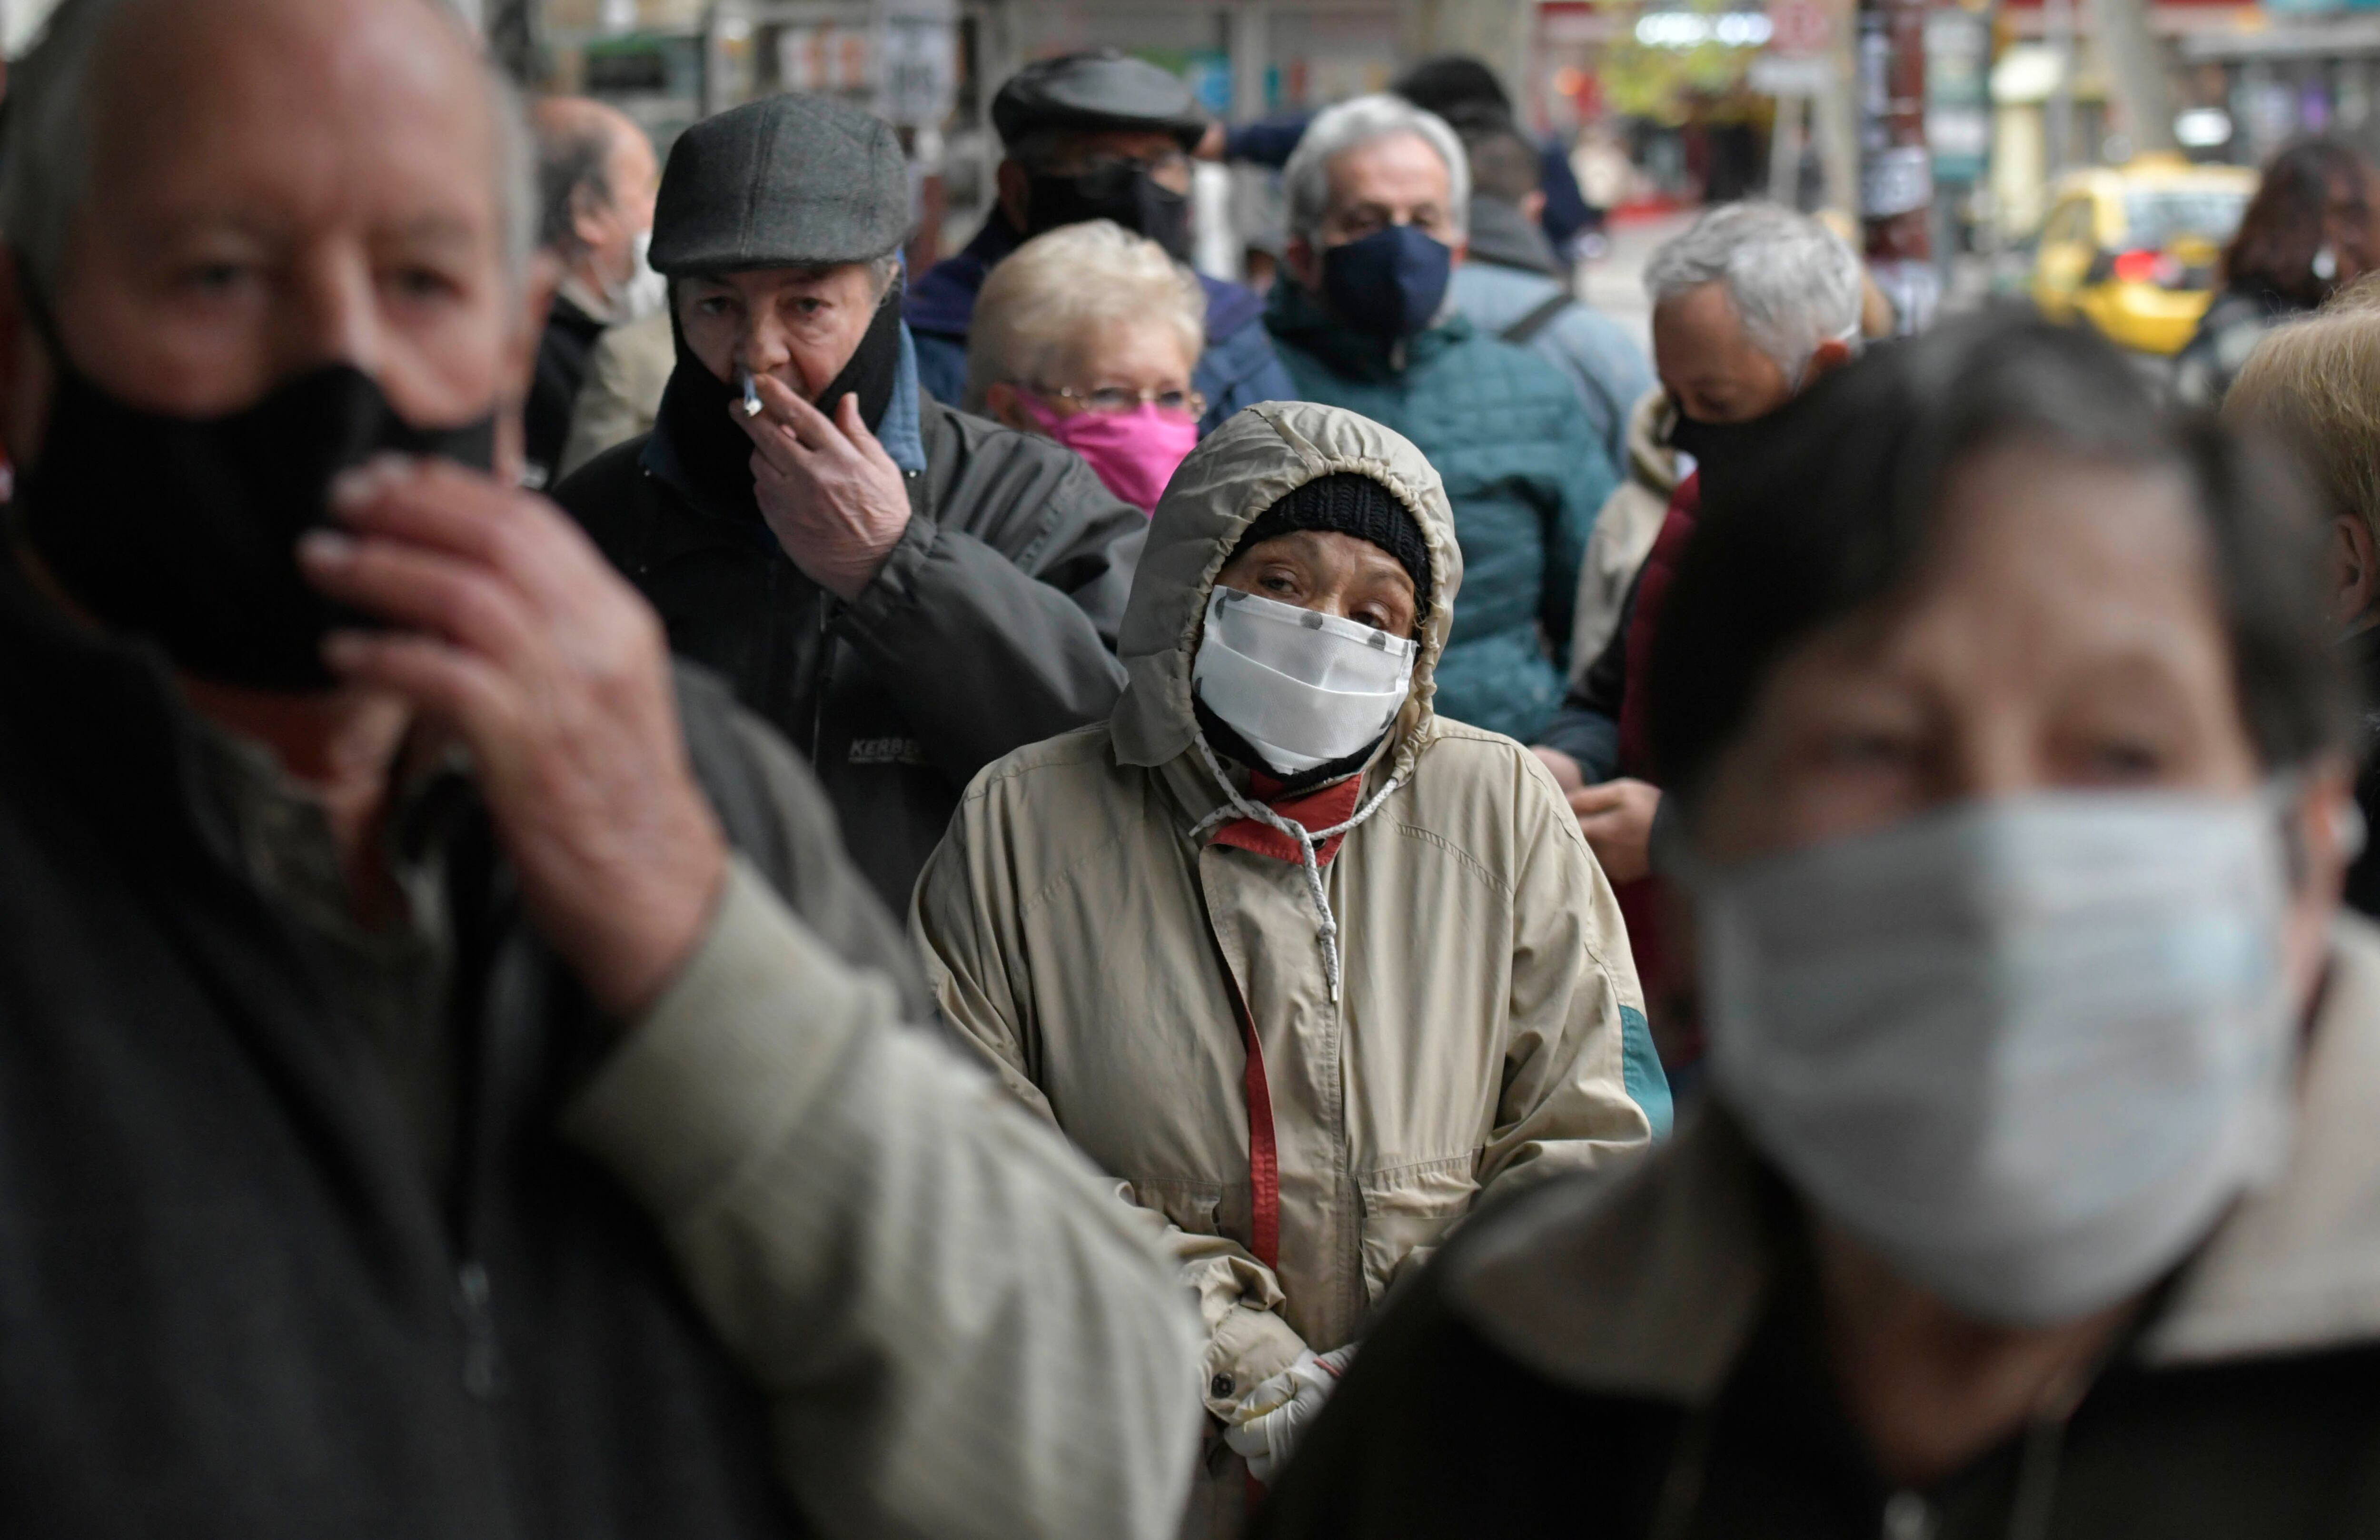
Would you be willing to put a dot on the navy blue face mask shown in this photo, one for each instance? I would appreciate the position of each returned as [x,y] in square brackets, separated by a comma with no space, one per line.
[1390,284]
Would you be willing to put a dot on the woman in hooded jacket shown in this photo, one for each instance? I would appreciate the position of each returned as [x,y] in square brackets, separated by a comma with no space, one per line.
[1308,968]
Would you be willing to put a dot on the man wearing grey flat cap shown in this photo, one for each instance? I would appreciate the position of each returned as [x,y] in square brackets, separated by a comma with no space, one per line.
[906,592]
[1096,136]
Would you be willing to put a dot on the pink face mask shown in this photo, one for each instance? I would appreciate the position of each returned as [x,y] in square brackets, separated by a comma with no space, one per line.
[1136,453]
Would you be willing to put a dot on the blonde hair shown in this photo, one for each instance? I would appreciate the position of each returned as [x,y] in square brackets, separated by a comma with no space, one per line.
[2315,386]
[1055,289]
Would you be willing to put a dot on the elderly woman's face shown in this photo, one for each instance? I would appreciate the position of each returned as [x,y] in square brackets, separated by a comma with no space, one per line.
[2064,633]
[1338,574]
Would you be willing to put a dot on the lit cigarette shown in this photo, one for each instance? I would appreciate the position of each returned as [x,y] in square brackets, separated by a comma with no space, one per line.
[751,393]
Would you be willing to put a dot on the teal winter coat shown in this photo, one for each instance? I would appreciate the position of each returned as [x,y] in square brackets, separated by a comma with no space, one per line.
[1522,468]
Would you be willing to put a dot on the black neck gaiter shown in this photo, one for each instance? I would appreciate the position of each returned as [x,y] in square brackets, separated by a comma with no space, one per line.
[1127,195]
[185,529]
[716,454]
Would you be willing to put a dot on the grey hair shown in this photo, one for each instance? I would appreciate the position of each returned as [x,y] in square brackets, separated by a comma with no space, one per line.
[44,154]
[1307,178]
[1795,283]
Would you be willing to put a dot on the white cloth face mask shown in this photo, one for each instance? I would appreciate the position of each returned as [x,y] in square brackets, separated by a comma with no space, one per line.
[1304,688]
[646,292]
[2027,1049]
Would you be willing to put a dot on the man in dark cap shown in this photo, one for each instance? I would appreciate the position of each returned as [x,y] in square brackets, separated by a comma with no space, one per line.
[906,592]
[1096,136]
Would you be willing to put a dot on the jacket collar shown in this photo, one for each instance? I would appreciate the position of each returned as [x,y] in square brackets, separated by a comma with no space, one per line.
[1654,1290]
[1502,235]
[1299,319]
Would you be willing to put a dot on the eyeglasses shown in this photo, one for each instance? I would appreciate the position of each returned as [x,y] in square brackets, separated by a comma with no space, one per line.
[1115,398]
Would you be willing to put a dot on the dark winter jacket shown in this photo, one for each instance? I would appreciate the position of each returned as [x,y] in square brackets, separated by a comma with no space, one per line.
[1237,369]
[1646,1362]
[991,626]
[234,1300]
[2228,333]
[562,351]
[1522,467]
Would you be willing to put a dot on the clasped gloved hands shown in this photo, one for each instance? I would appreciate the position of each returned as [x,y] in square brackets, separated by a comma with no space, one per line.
[1271,1419]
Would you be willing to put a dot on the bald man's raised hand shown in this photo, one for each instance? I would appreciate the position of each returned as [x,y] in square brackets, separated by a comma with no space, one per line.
[513,630]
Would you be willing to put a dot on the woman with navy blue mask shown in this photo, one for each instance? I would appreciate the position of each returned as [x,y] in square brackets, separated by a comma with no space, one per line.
[2038,1193]
[1378,191]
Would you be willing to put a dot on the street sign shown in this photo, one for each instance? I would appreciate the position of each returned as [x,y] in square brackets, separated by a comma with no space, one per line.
[1799,26]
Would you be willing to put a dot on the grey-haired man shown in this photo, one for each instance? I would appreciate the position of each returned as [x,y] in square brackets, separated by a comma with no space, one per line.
[436,1094]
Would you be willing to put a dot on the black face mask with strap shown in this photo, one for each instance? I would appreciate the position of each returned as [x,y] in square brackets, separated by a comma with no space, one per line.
[716,454]
[185,529]
[1123,192]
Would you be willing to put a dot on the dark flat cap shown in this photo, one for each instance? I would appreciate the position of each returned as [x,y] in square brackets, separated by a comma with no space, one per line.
[791,181]
[1103,90]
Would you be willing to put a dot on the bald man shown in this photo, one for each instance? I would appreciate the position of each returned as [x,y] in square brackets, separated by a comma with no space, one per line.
[452,1082]
[596,179]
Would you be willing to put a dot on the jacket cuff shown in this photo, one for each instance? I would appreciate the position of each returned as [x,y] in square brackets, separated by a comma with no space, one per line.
[1248,1348]
[895,586]
[732,1053]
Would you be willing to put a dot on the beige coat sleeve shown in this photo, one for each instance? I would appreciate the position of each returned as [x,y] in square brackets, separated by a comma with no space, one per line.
[1565,1106]
[957,1331]
[964,925]
[625,374]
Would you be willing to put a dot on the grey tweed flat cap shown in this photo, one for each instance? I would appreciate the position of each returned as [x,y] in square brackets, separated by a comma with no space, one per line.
[790,181]
[1102,90]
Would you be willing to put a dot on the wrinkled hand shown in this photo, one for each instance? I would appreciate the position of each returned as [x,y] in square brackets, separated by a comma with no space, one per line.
[518,636]
[1616,819]
[832,497]
[1272,1418]
[1567,775]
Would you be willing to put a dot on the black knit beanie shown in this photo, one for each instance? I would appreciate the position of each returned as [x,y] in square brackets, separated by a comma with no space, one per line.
[1347,503]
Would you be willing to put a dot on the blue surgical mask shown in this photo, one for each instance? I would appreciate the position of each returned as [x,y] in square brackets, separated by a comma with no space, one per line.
[1390,284]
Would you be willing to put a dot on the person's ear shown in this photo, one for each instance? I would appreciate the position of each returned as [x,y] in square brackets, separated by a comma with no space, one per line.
[1533,205]
[1003,403]
[1458,248]
[1830,355]
[590,221]
[2325,832]
[2354,570]
[1015,194]
[1303,264]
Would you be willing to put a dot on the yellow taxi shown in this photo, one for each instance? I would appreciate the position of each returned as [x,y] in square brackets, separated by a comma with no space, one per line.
[2131,249]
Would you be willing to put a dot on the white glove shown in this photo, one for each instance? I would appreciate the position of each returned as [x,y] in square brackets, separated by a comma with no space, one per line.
[1269,1419]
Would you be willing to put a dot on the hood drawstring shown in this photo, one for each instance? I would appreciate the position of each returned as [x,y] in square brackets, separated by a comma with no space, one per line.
[1234,804]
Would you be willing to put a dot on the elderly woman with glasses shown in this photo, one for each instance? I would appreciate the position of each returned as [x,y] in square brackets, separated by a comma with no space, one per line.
[1089,335]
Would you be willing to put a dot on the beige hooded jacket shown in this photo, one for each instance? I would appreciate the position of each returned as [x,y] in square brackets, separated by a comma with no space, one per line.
[1086,933]
[1624,530]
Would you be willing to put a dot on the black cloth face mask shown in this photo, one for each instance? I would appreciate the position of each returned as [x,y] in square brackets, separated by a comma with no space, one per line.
[185,529]
[1119,190]
[716,456]
[1713,442]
